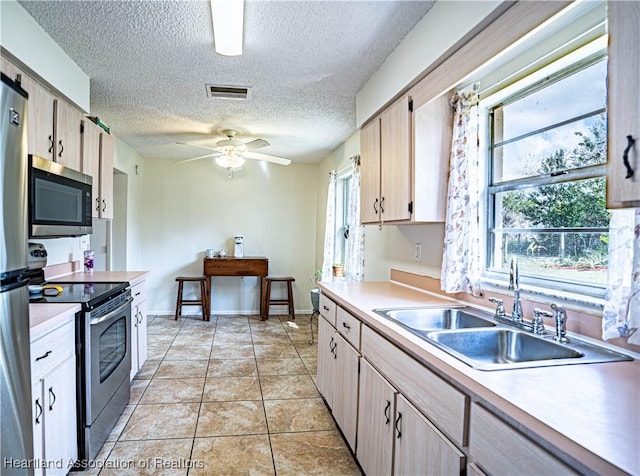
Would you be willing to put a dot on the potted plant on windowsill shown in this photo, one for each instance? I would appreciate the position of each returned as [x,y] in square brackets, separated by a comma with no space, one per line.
[338,270]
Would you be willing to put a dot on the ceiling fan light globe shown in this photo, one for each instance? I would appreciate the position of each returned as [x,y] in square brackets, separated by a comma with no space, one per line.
[233,161]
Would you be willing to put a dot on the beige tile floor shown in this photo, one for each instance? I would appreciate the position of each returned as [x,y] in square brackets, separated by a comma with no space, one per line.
[233,396]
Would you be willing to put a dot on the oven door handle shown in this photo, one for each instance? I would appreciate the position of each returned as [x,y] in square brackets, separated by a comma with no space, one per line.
[106,317]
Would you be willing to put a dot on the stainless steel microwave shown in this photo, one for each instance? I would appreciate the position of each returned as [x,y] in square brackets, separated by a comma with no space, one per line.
[59,200]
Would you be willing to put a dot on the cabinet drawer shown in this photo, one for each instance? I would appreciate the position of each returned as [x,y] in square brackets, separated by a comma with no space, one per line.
[328,309]
[51,349]
[443,404]
[515,453]
[349,327]
[138,294]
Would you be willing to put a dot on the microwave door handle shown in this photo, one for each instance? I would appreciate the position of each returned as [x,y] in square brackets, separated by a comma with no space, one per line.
[106,317]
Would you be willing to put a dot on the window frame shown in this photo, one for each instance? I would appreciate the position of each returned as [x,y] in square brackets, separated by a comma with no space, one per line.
[535,80]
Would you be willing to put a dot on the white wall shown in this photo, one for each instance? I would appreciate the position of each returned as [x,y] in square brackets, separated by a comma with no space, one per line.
[437,33]
[190,207]
[129,162]
[21,36]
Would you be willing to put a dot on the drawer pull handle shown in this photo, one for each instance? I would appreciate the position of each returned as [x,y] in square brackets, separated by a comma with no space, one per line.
[97,204]
[51,394]
[39,408]
[625,156]
[375,209]
[325,308]
[398,420]
[381,205]
[44,356]
[61,148]
[387,416]
[346,326]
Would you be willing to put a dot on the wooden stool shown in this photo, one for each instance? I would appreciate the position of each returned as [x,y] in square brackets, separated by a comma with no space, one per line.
[202,302]
[289,301]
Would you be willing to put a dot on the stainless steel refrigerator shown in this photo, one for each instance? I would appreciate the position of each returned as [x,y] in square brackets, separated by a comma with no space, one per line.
[16,430]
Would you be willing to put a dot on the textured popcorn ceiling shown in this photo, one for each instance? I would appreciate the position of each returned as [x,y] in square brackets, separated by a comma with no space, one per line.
[149,62]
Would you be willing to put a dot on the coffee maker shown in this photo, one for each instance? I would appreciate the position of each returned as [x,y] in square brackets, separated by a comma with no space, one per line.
[238,247]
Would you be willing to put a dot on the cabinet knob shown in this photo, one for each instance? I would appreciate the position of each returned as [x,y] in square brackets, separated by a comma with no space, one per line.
[625,156]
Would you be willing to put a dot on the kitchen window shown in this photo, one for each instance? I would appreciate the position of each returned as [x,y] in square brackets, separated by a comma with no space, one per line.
[545,162]
[343,186]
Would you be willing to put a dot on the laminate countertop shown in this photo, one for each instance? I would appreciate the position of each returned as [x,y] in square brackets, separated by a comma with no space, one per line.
[589,412]
[132,277]
[43,318]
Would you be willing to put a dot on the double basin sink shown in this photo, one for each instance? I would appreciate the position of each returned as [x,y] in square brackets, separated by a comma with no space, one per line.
[473,337]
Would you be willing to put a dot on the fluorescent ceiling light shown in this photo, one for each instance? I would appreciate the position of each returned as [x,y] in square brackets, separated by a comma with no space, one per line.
[228,19]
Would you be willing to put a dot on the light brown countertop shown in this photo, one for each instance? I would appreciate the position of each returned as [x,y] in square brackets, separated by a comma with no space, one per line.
[590,412]
[43,318]
[132,277]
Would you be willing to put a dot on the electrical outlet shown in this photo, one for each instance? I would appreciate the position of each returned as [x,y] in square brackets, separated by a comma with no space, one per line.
[417,251]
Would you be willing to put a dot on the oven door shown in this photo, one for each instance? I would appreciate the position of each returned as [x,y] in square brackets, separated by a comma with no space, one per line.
[109,357]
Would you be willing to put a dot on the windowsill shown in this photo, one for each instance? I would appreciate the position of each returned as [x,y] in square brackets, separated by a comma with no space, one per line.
[589,304]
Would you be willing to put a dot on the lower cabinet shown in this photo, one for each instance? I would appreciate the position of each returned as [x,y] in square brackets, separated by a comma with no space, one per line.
[394,437]
[138,328]
[53,386]
[419,447]
[376,409]
[517,454]
[338,378]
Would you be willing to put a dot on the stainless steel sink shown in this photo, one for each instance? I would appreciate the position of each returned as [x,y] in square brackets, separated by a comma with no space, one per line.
[504,348]
[424,319]
[473,336]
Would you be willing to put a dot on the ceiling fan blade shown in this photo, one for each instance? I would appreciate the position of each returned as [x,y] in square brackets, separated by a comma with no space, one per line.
[256,144]
[199,146]
[198,158]
[267,158]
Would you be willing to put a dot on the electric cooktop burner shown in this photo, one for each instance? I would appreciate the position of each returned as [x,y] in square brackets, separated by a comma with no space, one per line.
[88,294]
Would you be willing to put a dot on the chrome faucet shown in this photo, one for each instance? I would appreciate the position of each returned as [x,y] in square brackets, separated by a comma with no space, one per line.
[560,316]
[514,286]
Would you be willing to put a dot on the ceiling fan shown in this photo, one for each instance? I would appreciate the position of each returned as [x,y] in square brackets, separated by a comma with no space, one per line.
[231,153]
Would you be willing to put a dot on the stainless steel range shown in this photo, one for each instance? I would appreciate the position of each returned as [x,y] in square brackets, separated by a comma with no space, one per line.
[103,351]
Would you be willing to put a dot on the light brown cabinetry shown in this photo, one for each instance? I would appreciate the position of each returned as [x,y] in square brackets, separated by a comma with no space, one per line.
[97,161]
[405,163]
[623,109]
[385,150]
[337,379]
[54,124]
[498,448]
[432,130]
[420,448]
[376,410]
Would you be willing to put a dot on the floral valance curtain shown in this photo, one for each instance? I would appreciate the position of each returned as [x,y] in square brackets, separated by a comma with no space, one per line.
[621,317]
[354,265]
[329,229]
[460,261]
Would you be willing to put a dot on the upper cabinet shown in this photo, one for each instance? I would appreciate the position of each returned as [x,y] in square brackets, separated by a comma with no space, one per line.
[385,150]
[97,161]
[53,130]
[405,163]
[623,167]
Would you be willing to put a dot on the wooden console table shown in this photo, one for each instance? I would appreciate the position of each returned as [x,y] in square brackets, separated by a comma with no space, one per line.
[230,266]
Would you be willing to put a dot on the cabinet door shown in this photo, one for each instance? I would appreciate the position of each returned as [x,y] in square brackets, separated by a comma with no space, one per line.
[420,448]
[38,423]
[370,172]
[68,143]
[60,440]
[376,408]
[345,401]
[106,175]
[41,109]
[326,360]
[395,175]
[623,103]
[432,130]
[91,161]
